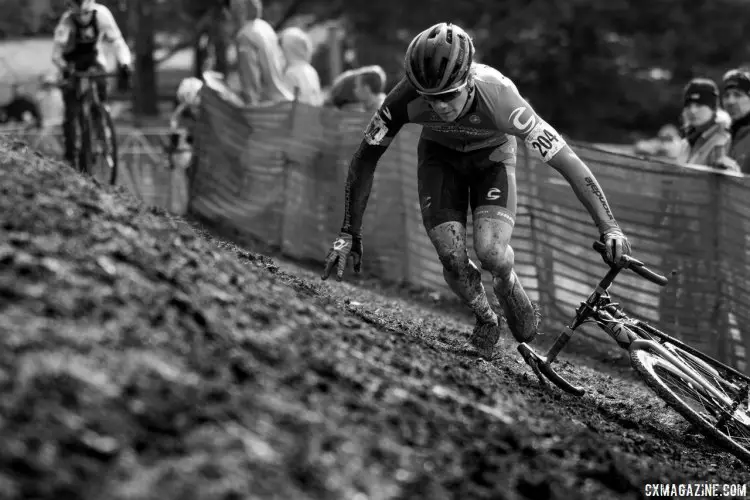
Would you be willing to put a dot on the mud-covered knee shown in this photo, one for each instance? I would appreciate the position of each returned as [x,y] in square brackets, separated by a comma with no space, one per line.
[495,257]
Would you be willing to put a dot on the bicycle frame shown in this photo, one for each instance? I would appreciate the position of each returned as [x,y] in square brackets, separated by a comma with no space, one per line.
[86,92]
[85,88]
[626,332]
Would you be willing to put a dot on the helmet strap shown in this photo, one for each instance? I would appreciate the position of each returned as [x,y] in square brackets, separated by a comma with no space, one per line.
[471,88]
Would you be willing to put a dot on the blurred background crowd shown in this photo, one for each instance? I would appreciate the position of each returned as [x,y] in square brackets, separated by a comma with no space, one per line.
[660,78]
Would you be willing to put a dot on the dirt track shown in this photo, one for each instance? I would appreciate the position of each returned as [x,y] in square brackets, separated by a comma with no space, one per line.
[142,361]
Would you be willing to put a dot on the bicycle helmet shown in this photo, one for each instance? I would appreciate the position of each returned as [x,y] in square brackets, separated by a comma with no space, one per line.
[189,91]
[82,5]
[438,59]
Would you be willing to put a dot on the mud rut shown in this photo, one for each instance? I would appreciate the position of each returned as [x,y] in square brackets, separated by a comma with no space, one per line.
[144,358]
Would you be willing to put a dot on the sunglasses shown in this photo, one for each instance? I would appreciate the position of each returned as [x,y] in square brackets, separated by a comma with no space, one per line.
[446,96]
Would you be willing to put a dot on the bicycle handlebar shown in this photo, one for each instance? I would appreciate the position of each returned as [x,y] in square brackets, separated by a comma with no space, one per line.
[95,74]
[542,364]
[636,266]
[91,75]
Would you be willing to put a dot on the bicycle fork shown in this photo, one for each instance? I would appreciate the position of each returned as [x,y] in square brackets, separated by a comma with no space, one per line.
[605,318]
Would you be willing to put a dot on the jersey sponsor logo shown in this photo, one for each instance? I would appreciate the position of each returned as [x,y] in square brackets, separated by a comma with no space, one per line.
[523,126]
[458,129]
[494,194]
[377,129]
[426,203]
[591,183]
[544,140]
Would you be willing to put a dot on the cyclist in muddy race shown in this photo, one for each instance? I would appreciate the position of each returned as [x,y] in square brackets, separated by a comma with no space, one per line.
[78,34]
[471,116]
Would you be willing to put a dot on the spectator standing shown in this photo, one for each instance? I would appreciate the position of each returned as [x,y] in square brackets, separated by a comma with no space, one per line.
[667,144]
[359,89]
[50,99]
[299,75]
[259,58]
[705,140]
[369,86]
[736,99]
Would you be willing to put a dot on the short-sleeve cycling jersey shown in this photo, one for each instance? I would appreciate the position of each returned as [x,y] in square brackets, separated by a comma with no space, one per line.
[496,111]
[78,43]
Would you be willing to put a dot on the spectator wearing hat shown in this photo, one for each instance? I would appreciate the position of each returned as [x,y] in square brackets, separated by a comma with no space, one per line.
[705,140]
[736,99]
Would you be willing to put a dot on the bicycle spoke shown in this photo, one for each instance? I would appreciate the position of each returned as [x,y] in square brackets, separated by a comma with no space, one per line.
[735,424]
[718,405]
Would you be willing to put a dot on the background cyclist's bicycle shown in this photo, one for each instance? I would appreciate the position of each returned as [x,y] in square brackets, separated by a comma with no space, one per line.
[712,396]
[96,141]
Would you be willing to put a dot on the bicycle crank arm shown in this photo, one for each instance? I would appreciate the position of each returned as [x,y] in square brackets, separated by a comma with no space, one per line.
[541,366]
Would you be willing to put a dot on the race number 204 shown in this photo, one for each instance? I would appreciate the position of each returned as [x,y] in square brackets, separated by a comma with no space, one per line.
[698,490]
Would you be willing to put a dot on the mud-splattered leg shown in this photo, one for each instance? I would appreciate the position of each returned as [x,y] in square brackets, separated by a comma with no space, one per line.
[462,275]
[491,242]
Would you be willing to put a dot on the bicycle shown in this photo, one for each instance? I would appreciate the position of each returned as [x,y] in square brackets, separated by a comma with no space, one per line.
[672,369]
[94,127]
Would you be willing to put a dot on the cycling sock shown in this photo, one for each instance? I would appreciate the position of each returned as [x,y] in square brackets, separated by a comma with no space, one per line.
[468,286]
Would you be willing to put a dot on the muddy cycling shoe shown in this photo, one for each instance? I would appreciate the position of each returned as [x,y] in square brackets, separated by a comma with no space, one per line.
[483,339]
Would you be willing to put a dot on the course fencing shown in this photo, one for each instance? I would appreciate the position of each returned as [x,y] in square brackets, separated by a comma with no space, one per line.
[277,174]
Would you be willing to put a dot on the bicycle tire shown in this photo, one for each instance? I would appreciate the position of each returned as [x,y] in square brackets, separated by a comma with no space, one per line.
[106,123]
[642,361]
[665,338]
[84,152]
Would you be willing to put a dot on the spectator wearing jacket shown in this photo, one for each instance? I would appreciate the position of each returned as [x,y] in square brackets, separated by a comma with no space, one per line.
[736,99]
[259,59]
[300,76]
[705,140]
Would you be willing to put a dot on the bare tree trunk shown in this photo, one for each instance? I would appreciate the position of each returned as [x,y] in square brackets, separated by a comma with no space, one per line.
[220,42]
[145,98]
[201,54]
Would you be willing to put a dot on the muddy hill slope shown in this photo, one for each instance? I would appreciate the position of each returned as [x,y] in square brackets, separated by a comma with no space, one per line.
[140,359]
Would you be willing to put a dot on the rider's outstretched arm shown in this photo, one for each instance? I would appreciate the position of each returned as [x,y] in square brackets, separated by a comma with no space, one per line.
[585,186]
[518,118]
[359,184]
[112,34]
[381,130]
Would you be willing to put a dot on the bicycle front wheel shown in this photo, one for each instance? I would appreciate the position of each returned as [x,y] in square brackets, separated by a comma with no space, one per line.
[83,135]
[103,166]
[722,414]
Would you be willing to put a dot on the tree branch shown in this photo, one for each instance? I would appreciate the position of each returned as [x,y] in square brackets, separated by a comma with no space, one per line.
[184,44]
[202,25]
[290,12]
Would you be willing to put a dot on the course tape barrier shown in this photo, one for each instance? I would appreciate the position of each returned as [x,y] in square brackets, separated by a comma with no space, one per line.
[276,174]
